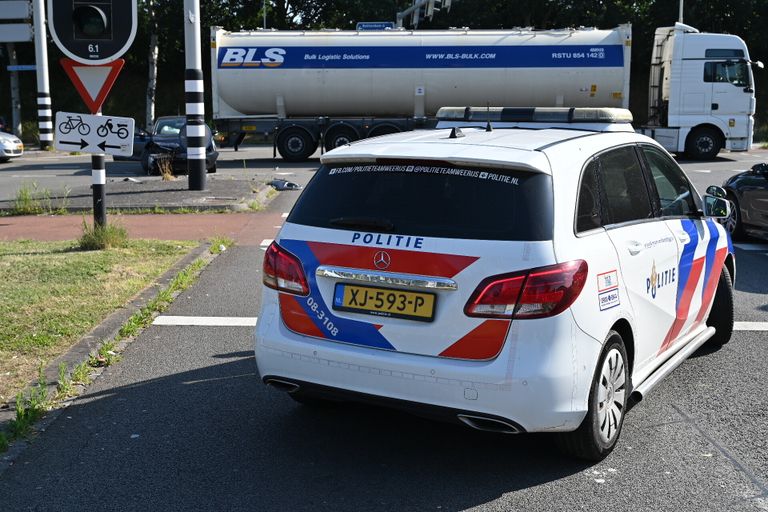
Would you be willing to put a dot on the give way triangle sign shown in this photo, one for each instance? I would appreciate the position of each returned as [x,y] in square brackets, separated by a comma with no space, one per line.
[92,82]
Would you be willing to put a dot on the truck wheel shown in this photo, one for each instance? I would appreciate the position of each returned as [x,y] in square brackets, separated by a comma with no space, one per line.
[296,144]
[703,144]
[384,129]
[598,433]
[721,315]
[341,136]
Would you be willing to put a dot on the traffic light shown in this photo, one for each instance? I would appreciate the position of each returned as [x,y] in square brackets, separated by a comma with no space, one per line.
[92,31]
[92,20]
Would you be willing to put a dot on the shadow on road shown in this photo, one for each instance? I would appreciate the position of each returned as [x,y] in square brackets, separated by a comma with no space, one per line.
[217,439]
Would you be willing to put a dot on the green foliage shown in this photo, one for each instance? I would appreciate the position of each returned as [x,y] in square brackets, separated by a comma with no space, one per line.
[97,237]
[104,356]
[81,374]
[220,244]
[30,409]
[3,442]
[33,200]
[64,387]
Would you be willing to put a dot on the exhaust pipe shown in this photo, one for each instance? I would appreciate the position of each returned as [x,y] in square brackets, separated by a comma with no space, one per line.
[282,385]
[488,424]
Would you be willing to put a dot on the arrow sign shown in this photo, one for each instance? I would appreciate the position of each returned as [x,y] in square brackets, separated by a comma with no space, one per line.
[83,143]
[93,134]
[92,82]
[103,146]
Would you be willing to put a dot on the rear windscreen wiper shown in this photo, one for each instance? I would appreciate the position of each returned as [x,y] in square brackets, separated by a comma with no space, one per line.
[364,223]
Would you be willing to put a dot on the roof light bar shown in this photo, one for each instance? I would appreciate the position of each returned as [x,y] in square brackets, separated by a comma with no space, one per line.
[536,114]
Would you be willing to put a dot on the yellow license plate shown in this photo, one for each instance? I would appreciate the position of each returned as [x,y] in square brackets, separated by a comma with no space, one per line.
[384,302]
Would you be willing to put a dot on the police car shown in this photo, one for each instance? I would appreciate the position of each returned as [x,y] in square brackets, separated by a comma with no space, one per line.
[523,270]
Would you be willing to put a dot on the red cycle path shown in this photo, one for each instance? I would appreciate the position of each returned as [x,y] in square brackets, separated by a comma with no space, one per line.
[244,228]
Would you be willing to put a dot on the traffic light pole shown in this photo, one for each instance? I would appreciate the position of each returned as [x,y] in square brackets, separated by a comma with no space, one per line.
[193,95]
[99,186]
[44,112]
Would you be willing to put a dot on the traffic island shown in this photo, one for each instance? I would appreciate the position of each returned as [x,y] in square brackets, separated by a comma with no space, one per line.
[147,194]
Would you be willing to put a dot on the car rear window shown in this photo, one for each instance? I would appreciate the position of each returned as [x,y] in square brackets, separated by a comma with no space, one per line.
[429,200]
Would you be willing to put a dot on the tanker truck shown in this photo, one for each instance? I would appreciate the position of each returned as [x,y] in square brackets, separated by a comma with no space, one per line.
[329,88]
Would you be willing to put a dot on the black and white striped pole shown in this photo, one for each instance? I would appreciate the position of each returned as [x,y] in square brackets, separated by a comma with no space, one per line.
[99,186]
[193,95]
[44,113]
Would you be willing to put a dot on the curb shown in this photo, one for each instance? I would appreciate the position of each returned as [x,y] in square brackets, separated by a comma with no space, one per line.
[108,329]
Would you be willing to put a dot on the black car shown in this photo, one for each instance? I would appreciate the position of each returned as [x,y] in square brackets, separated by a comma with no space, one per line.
[748,191]
[168,140]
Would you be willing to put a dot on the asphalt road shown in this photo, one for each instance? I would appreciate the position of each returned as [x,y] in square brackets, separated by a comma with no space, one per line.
[183,423]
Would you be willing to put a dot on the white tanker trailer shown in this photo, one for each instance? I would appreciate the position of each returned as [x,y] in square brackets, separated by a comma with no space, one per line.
[334,87]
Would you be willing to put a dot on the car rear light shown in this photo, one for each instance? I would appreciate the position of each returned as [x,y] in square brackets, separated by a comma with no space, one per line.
[535,293]
[283,271]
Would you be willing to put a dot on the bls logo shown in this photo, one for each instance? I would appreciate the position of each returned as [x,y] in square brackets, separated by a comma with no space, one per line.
[249,57]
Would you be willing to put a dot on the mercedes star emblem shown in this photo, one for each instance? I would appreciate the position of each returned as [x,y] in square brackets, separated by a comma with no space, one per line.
[381,260]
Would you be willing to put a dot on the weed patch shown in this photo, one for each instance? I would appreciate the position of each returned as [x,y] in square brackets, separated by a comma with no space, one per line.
[33,200]
[220,244]
[64,388]
[105,356]
[97,237]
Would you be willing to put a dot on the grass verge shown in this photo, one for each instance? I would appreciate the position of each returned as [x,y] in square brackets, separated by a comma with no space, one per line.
[52,294]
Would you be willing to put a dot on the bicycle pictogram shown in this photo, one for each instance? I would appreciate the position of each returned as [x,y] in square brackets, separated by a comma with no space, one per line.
[75,122]
[121,130]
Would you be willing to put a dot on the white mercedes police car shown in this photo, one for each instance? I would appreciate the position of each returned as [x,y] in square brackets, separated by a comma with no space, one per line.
[533,279]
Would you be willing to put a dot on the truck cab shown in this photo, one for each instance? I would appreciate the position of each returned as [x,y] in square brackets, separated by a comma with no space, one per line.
[701,93]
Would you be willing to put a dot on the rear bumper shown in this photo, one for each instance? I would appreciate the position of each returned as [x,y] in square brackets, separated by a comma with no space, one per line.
[539,382]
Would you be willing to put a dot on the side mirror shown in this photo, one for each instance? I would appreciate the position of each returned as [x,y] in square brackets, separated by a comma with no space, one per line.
[717,207]
[761,169]
[714,190]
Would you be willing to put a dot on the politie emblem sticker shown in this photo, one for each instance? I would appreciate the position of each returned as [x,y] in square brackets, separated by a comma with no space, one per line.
[608,290]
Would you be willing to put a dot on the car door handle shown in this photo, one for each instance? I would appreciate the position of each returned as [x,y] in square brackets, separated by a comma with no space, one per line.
[683,237]
[634,247]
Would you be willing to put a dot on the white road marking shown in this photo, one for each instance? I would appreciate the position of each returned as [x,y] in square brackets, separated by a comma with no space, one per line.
[35,175]
[284,174]
[208,321]
[750,326]
[751,247]
[265,243]
[702,170]
[284,215]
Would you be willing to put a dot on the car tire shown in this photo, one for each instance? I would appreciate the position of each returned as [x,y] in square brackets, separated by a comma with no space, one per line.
[3,160]
[703,144]
[296,144]
[608,396]
[721,315]
[212,169]
[733,223]
[145,163]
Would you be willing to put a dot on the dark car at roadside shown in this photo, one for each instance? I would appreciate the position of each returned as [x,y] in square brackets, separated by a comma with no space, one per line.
[748,191]
[168,141]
